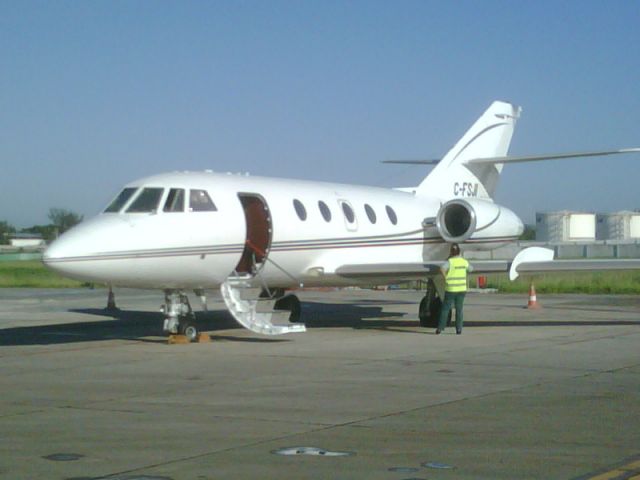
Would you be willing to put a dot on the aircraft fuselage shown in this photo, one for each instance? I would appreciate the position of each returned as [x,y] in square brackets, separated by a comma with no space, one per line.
[290,231]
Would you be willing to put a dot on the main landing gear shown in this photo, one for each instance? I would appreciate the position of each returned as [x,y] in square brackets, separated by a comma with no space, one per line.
[284,303]
[179,317]
[429,310]
[291,304]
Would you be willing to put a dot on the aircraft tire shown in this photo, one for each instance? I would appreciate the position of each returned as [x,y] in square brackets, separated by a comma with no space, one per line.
[429,311]
[290,303]
[189,330]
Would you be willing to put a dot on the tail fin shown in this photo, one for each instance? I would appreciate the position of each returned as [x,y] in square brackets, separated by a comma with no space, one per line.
[490,136]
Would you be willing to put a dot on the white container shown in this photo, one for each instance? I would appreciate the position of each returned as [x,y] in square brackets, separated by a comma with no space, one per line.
[565,226]
[623,225]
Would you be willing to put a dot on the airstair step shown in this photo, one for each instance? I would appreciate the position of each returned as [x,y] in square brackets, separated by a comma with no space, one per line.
[265,305]
[281,317]
[246,310]
[250,293]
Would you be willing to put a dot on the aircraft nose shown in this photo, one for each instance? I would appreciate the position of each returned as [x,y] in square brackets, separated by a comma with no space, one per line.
[70,254]
[57,250]
[60,255]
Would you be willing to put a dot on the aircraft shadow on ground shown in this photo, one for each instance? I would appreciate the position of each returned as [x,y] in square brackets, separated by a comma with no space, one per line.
[354,315]
[145,326]
[136,325]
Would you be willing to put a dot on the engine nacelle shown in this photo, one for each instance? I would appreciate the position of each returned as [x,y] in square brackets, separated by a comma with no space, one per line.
[458,220]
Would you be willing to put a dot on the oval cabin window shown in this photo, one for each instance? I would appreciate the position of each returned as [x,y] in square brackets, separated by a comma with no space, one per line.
[348,213]
[300,210]
[370,213]
[393,218]
[324,211]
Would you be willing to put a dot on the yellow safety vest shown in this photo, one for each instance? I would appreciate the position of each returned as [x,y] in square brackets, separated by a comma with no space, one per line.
[456,278]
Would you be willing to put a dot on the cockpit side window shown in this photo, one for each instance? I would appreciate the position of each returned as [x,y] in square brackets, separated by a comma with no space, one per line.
[199,201]
[147,201]
[123,197]
[175,201]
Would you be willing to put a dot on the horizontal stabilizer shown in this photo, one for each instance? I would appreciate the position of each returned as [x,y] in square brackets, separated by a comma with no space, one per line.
[555,156]
[520,159]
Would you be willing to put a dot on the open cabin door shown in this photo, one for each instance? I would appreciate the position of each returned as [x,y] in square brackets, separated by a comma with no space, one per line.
[241,293]
[258,238]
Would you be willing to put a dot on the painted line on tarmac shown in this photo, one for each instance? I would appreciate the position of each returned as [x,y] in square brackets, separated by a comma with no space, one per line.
[628,470]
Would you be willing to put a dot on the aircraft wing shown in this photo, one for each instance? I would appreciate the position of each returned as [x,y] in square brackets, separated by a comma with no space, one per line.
[413,271]
[389,271]
[579,265]
[529,261]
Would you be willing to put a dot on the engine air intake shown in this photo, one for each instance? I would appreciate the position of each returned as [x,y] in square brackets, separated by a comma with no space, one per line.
[457,220]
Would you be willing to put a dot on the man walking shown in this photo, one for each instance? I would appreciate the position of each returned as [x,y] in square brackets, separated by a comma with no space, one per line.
[455,272]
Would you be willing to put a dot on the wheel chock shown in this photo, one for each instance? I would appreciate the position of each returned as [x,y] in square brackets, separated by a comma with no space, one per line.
[203,338]
[177,340]
[183,339]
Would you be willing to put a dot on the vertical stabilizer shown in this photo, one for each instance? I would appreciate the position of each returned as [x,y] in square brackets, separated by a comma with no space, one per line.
[490,136]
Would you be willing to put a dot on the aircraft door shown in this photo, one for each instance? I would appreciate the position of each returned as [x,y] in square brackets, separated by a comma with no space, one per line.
[259,232]
[350,220]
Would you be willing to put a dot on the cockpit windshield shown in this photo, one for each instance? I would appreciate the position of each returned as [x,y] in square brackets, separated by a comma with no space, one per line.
[175,201]
[123,197]
[147,201]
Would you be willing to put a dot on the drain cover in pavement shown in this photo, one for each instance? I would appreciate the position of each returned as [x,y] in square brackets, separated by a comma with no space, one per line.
[310,451]
[63,457]
[404,469]
[440,466]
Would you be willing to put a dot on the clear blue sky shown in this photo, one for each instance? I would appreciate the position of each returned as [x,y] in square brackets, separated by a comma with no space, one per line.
[94,94]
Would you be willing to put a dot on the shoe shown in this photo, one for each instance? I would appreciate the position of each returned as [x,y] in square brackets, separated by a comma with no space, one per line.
[458,332]
[438,331]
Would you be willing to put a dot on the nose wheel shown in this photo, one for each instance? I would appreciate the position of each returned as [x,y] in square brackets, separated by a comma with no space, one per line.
[189,329]
[179,317]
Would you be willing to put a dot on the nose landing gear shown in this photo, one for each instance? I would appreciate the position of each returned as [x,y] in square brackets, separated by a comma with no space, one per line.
[179,317]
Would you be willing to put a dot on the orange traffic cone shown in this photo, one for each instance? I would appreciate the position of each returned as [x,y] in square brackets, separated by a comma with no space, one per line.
[533,299]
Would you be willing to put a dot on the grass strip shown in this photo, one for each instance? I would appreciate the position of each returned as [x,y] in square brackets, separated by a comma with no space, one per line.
[619,282]
[33,274]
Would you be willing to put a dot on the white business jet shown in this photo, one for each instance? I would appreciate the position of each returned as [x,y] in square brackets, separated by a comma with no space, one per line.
[254,238]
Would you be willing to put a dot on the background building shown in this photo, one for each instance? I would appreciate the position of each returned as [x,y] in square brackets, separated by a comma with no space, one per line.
[565,226]
[618,226]
[23,240]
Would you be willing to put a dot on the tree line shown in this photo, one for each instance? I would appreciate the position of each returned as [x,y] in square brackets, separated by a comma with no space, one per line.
[61,221]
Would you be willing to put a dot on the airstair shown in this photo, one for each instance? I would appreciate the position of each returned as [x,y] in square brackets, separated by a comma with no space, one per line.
[254,312]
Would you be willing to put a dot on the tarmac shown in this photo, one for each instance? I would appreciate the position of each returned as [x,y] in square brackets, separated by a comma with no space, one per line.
[365,393]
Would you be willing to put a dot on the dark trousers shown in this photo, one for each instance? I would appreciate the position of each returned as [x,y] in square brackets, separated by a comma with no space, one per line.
[451,299]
